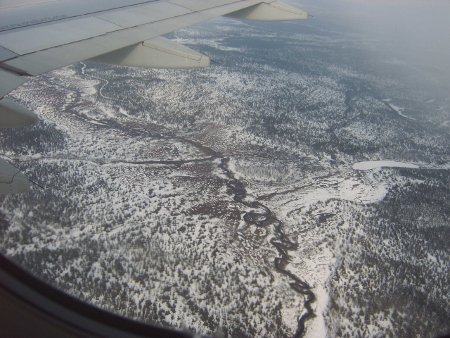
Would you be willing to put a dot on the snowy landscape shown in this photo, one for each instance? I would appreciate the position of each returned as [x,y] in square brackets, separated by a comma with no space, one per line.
[297,187]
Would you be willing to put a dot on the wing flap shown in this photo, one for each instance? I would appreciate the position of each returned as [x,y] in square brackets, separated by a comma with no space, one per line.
[6,54]
[155,53]
[13,115]
[9,81]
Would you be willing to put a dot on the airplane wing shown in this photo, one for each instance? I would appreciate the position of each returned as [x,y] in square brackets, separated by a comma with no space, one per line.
[37,36]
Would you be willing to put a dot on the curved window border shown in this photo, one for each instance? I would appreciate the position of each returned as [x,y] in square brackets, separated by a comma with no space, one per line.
[30,307]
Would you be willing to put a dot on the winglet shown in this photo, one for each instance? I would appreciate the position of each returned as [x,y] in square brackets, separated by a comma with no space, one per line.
[274,11]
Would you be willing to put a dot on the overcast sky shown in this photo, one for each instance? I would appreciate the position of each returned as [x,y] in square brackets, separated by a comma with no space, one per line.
[418,31]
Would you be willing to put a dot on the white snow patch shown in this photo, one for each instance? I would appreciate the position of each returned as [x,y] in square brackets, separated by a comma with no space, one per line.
[96,122]
[397,109]
[369,165]
[352,190]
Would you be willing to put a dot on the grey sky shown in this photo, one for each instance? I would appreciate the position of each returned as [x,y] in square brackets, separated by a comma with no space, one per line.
[414,31]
